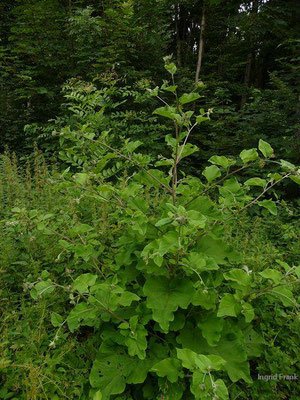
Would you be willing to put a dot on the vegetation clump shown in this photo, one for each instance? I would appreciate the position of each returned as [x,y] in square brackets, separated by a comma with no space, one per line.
[127,277]
[149,233]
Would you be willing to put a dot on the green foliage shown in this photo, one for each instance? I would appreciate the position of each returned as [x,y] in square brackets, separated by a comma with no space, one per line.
[250,68]
[133,264]
[44,43]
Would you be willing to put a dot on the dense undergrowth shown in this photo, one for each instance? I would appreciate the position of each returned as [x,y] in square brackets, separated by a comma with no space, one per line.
[125,277]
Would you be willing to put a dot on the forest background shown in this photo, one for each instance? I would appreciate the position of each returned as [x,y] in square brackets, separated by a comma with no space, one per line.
[149,199]
[246,53]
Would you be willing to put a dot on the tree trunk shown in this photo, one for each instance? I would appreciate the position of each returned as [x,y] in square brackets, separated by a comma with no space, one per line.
[250,56]
[178,42]
[247,77]
[201,45]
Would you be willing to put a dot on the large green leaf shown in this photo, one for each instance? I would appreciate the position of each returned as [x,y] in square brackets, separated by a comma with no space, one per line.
[164,296]
[110,297]
[217,249]
[98,395]
[171,68]
[194,361]
[56,319]
[196,219]
[81,178]
[203,388]
[239,276]
[168,112]
[231,348]
[286,165]
[295,178]
[220,160]
[113,368]
[41,289]
[248,312]
[206,207]
[82,314]
[188,98]
[199,262]
[249,155]
[269,205]
[206,298]
[157,248]
[211,327]
[265,148]
[272,274]
[229,306]
[135,337]
[187,357]
[256,182]
[83,282]
[211,173]
[284,294]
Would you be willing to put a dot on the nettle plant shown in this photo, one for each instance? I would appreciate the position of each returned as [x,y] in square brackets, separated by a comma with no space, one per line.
[173,304]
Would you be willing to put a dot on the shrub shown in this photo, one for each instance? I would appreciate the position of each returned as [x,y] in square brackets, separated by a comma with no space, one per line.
[135,263]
